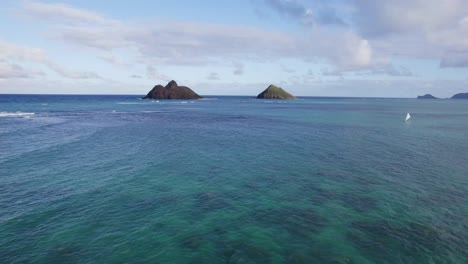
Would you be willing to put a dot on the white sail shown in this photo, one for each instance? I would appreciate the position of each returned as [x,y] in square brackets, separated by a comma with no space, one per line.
[408,116]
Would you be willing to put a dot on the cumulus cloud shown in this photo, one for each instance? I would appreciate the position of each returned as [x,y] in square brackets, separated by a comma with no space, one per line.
[434,29]
[426,29]
[376,31]
[352,53]
[189,43]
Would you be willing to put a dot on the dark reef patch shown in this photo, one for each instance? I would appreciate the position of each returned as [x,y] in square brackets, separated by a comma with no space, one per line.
[211,201]
[362,204]
[296,221]
[393,242]
[64,254]
[243,252]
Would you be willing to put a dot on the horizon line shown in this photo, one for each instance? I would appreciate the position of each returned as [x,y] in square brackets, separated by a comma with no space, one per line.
[298,96]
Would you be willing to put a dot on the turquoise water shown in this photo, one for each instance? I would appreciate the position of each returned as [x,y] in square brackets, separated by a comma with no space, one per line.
[115,179]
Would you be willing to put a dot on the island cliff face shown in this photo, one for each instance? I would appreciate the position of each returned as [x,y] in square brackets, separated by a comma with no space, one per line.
[460,96]
[274,92]
[171,91]
[427,96]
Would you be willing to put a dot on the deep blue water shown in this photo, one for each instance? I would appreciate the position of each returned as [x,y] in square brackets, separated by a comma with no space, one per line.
[117,179]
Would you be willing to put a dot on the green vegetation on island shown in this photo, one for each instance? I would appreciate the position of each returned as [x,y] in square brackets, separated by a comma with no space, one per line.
[275,92]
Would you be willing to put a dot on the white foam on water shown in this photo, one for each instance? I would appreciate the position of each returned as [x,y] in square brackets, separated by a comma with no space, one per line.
[16,114]
[128,103]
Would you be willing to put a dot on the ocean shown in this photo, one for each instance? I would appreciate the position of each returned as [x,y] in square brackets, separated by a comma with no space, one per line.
[117,179]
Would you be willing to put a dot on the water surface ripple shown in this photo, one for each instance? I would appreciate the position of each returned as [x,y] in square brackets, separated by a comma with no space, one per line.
[117,179]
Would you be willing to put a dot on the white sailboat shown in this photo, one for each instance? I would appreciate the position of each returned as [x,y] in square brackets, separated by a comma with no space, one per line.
[408,117]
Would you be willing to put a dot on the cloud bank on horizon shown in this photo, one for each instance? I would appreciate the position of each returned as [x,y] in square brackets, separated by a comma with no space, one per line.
[397,48]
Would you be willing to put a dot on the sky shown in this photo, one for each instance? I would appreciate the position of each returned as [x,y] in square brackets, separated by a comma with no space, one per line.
[385,48]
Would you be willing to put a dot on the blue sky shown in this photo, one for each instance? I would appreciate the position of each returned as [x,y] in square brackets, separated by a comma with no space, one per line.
[312,48]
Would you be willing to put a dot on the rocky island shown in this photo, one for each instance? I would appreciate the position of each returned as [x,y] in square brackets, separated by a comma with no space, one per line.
[460,96]
[274,92]
[427,96]
[171,91]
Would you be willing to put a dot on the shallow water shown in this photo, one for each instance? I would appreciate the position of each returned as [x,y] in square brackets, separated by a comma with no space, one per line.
[105,179]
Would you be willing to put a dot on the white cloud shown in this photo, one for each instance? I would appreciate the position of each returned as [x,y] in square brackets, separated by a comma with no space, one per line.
[9,71]
[173,42]
[66,14]
[408,16]
[12,56]
[364,40]
[67,73]
[426,29]
[435,29]
[112,59]
[11,51]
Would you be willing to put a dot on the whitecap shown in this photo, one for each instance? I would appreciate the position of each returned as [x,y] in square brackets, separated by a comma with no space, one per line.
[16,114]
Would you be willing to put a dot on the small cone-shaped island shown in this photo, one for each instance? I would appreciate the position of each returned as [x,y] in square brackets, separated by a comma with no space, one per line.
[275,92]
[171,91]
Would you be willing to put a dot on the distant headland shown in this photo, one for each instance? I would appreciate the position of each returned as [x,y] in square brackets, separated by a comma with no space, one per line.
[456,96]
[171,91]
[427,96]
[460,96]
[275,92]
